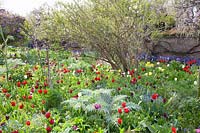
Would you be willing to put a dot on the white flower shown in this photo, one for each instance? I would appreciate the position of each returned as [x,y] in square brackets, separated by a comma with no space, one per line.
[146,74]
[161,69]
[168,65]
[195,82]
[25,76]
[128,75]
[183,66]
[158,63]
[175,79]
[74,72]
[79,94]
[150,73]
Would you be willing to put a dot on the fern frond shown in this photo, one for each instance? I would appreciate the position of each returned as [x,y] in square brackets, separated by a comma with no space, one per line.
[133,106]
[118,98]
[86,92]
[89,108]
[105,97]
[105,91]
[67,130]
[105,108]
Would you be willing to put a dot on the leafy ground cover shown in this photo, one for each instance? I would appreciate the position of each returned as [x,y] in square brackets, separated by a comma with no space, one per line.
[90,97]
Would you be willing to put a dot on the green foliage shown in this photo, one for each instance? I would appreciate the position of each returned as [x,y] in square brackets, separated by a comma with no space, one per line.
[103,98]
[53,99]
[3,49]
[10,24]
[188,114]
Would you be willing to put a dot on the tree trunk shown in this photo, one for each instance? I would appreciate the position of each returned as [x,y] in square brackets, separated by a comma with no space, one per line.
[49,69]
[6,62]
[136,62]
[199,83]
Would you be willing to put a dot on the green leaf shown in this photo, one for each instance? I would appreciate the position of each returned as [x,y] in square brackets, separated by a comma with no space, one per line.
[10,37]
[147,125]
[118,98]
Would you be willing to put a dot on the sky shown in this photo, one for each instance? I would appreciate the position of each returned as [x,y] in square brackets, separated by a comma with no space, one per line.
[23,7]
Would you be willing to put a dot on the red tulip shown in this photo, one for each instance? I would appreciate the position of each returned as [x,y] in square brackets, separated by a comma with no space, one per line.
[79,71]
[33,106]
[18,84]
[65,70]
[13,103]
[43,101]
[28,123]
[113,80]
[154,96]
[76,96]
[48,129]
[134,81]
[4,90]
[45,84]
[123,104]
[30,97]
[119,89]
[119,121]
[126,110]
[45,91]
[51,121]
[24,82]
[97,72]
[24,97]
[97,78]
[16,131]
[164,100]
[119,110]
[70,91]
[47,115]
[7,95]
[21,106]
[40,91]
[173,130]
[131,72]
[93,81]
[36,87]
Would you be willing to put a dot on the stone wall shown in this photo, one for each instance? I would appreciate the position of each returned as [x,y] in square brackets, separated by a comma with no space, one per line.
[175,46]
[187,24]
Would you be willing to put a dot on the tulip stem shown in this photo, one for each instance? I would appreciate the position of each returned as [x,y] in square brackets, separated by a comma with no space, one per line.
[4,51]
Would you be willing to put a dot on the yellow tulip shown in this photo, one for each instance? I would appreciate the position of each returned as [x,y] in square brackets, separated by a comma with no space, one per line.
[150,73]
[148,64]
